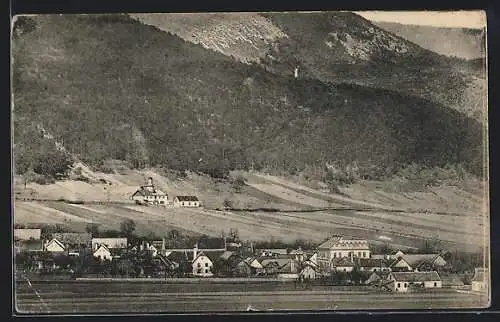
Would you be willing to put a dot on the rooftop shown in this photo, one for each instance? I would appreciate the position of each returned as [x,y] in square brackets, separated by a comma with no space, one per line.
[344,261]
[416,276]
[337,242]
[187,198]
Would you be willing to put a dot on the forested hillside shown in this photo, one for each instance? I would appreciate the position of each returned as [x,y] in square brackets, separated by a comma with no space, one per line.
[110,87]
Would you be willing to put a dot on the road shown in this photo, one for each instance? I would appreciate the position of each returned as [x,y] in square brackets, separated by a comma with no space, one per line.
[85,297]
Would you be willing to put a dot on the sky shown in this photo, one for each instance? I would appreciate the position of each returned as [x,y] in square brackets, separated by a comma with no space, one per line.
[460,19]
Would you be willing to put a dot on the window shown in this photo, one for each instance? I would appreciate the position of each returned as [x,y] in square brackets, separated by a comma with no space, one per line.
[206,271]
[364,254]
[405,284]
[199,265]
[334,255]
[359,254]
[206,264]
[399,285]
[182,203]
[189,203]
[435,284]
[345,269]
[199,271]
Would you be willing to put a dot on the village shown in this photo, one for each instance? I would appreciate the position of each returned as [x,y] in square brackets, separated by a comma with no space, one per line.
[337,261]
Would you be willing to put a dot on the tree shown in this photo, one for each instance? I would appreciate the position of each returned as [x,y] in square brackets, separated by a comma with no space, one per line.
[127,228]
[238,184]
[234,234]
[92,229]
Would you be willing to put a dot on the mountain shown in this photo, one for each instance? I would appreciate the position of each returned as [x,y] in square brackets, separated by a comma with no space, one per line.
[110,87]
[335,47]
[465,43]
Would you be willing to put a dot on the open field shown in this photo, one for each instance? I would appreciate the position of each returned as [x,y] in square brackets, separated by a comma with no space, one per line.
[305,213]
[84,297]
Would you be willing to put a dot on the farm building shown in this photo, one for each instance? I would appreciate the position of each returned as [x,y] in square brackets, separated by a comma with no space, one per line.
[186,201]
[405,281]
[27,234]
[338,247]
[479,280]
[149,195]
[109,242]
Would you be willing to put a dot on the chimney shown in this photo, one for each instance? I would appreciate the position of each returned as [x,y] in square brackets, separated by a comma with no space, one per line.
[296,73]
[150,181]
[163,244]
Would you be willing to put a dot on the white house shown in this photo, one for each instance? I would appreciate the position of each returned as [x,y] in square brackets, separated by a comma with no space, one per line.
[109,242]
[479,280]
[149,195]
[102,253]
[202,265]
[404,281]
[186,201]
[55,246]
[338,247]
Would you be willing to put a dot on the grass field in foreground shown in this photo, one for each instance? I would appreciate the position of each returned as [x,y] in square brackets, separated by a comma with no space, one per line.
[147,297]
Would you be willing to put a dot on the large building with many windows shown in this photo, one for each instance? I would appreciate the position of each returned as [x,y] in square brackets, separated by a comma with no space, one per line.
[339,247]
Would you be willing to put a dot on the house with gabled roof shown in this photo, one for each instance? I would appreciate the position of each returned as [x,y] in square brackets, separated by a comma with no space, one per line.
[290,270]
[405,281]
[186,201]
[102,253]
[342,264]
[377,277]
[400,265]
[202,265]
[309,271]
[55,246]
